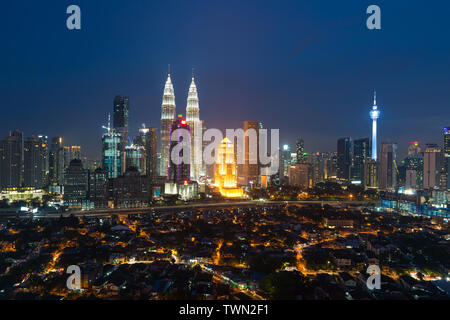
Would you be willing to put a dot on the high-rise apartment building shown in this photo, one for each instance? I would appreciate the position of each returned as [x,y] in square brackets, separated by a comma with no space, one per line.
[447,156]
[11,160]
[285,161]
[111,153]
[344,158]
[33,163]
[414,162]
[361,152]
[179,171]
[300,148]
[97,187]
[56,162]
[134,156]
[44,148]
[432,166]
[147,138]
[388,166]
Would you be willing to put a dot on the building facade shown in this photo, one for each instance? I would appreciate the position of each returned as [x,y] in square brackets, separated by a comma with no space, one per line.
[361,152]
[179,170]
[56,162]
[300,149]
[147,138]
[388,166]
[299,175]
[33,163]
[196,129]
[130,190]
[249,170]
[433,160]
[134,156]
[111,154]
[11,160]
[120,120]
[168,110]
[344,158]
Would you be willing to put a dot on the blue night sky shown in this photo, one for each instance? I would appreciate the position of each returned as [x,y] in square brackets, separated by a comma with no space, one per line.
[306,67]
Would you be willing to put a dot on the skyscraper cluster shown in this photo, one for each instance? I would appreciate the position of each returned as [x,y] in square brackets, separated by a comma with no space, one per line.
[132,171]
[364,162]
[193,124]
[33,162]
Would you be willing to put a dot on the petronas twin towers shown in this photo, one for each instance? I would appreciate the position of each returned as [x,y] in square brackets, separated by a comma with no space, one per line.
[168,117]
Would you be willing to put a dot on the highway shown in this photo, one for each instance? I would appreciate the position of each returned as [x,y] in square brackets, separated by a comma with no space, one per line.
[179,208]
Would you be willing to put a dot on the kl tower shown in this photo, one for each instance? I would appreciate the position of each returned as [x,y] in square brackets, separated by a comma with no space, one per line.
[374,115]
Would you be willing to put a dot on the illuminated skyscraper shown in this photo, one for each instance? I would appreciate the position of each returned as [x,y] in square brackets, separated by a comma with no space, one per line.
[70,153]
[111,154]
[225,177]
[317,167]
[135,157]
[374,115]
[361,152]
[56,162]
[414,162]
[285,161]
[167,119]
[300,175]
[76,184]
[196,126]
[97,187]
[432,166]
[301,156]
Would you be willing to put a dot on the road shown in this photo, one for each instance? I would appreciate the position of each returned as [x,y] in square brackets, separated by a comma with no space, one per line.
[108,212]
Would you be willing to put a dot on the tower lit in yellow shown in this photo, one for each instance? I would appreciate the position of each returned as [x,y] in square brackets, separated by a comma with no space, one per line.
[225,174]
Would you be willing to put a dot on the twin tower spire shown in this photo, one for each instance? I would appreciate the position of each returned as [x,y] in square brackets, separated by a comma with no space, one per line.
[168,101]
[168,116]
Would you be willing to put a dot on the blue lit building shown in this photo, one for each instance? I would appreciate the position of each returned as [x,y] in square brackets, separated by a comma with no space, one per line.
[111,155]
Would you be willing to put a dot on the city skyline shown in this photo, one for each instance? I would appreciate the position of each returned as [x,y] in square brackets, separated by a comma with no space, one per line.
[403,150]
[233,83]
[225,155]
